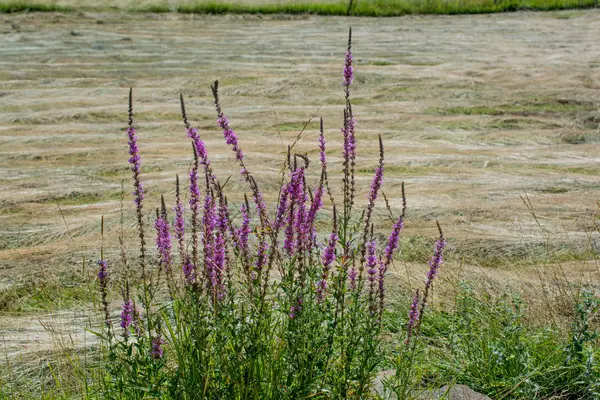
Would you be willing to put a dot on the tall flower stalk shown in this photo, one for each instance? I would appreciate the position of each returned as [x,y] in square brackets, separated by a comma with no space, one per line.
[103,280]
[434,264]
[413,318]
[232,140]
[376,184]
[138,188]
[327,259]
[163,237]
[194,201]
[179,222]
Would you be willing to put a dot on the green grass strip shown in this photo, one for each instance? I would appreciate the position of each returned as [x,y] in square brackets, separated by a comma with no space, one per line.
[28,6]
[364,8]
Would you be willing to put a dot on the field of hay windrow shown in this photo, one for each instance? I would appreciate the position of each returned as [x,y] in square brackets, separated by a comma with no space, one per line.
[492,122]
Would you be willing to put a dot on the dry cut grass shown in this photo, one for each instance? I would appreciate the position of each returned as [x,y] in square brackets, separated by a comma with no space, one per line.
[477,113]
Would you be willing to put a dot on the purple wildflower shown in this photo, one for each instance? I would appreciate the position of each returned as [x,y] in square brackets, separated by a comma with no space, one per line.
[281,207]
[231,139]
[163,240]
[127,312]
[348,70]
[199,146]
[322,155]
[194,206]
[376,184]
[188,271]
[194,190]
[309,223]
[436,260]
[244,231]
[103,278]
[381,281]
[413,317]
[434,264]
[157,349]
[327,259]
[352,277]
[135,161]
[348,132]
[372,272]
[180,224]
[102,272]
[209,222]
[296,199]
[261,256]
[220,252]
[296,308]
[300,222]
[393,239]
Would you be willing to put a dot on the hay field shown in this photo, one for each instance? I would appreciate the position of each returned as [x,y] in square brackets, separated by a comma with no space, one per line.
[475,112]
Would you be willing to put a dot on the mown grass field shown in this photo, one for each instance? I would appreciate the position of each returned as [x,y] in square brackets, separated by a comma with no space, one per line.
[492,121]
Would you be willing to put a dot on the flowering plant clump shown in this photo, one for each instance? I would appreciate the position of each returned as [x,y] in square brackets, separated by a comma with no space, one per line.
[262,306]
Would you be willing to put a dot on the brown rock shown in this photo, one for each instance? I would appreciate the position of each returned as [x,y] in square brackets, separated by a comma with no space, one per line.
[456,392]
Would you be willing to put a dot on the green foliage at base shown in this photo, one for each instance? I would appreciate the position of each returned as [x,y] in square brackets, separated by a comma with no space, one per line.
[486,343]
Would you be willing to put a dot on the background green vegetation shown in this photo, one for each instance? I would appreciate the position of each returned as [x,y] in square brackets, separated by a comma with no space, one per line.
[362,8]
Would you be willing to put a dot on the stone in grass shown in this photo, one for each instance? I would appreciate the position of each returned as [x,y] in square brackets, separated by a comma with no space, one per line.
[457,392]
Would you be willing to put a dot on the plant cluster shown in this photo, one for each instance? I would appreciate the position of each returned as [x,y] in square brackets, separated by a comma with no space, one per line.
[262,307]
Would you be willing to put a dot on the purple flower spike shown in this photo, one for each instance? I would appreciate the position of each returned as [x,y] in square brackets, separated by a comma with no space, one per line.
[413,317]
[231,139]
[194,190]
[199,146]
[371,258]
[348,69]
[157,349]
[135,161]
[376,184]
[180,227]
[436,261]
[372,272]
[102,272]
[296,308]
[261,256]
[209,222]
[296,211]
[244,231]
[188,272]
[352,277]
[220,252]
[163,241]
[103,280]
[127,312]
[393,240]
[316,205]
[348,133]
[282,207]
[327,258]
[322,154]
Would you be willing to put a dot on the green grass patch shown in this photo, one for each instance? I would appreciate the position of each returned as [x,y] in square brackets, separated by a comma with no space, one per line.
[76,198]
[519,108]
[47,294]
[581,138]
[364,8]
[28,6]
